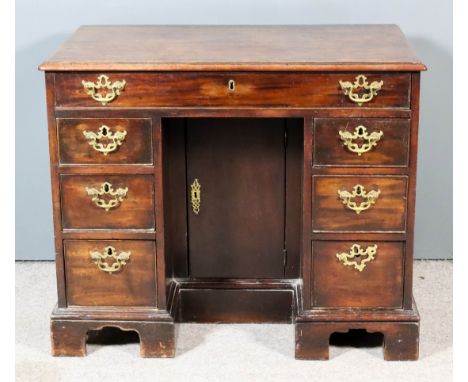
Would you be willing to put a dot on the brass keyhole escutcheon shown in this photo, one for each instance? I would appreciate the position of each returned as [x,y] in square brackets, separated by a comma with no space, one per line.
[195,193]
[232,86]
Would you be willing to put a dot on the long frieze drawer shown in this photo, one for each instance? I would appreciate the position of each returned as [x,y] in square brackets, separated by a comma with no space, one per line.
[359,203]
[357,274]
[105,141]
[361,142]
[107,201]
[231,89]
[110,273]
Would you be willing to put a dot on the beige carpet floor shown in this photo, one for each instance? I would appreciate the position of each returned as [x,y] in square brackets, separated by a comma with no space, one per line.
[224,353]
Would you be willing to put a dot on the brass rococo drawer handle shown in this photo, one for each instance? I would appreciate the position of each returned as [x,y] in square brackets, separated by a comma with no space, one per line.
[103,90]
[104,133]
[357,252]
[106,190]
[360,134]
[350,89]
[109,252]
[368,198]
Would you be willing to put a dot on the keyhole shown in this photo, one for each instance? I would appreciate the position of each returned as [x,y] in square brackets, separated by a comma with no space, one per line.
[231,85]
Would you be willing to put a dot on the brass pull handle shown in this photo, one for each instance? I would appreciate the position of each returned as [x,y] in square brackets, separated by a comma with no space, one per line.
[106,190]
[104,133]
[356,252]
[195,193]
[109,252]
[368,198]
[103,90]
[360,134]
[349,89]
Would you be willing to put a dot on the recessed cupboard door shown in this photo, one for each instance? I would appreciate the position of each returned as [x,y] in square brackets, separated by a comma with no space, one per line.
[236,197]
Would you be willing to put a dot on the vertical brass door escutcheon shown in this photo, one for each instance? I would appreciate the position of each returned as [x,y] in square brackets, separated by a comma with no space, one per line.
[195,193]
[365,256]
[109,252]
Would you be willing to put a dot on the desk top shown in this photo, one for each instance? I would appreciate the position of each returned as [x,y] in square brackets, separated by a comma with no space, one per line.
[249,48]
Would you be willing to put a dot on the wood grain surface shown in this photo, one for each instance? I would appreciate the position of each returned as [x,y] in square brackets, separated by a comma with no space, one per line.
[210,89]
[197,47]
[133,285]
[392,150]
[135,211]
[135,148]
[380,284]
[331,215]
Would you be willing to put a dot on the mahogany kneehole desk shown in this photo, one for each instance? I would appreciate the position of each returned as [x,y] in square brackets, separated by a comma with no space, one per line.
[265,175]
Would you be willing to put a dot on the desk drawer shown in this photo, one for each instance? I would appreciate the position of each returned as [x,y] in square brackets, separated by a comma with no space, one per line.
[232,89]
[105,141]
[361,142]
[357,274]
[107,201]
[359,203]
[110,273]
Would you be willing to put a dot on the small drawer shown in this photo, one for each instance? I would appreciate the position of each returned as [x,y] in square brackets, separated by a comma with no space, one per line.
[105,141]
[110,273]
[233,89]
[361,142]
[107,201]
[357,274]
[359,203]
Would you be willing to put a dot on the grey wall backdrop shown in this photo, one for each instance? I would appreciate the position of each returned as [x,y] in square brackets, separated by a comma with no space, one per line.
[42,25]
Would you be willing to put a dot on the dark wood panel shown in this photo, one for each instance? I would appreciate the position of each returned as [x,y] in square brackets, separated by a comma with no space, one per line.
[135,147]
[379,236]
[157,339]
[228,47]
[108,234]
[133,285]
[306,210]
[401,339]
[415,99]
[223,112]
[124,313]
[55,188]
[331,170]
[387,214]
[135,211]
[392,148]
[293,187]
[251,89]
[347,314]
[379,284]
[159,215]
[235,305]
[175,196]
[102,169]
[240,165]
